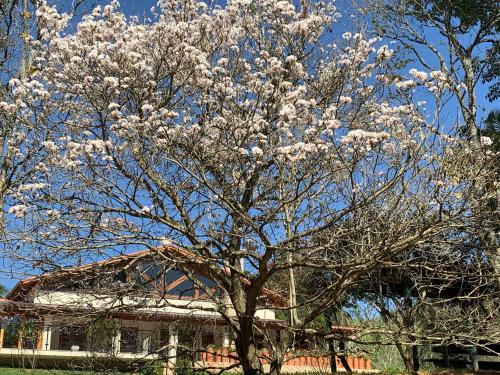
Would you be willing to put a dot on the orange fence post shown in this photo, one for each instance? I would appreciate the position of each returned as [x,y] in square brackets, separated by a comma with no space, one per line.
[39,343]
[210,354]
[224,353]
[350,362]
[235,357]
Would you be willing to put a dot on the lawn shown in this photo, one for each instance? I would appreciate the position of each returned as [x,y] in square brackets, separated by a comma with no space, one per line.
[20,371]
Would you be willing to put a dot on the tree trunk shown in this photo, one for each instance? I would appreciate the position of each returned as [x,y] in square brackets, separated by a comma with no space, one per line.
[279,348]
[246,348]
[406,353]
[332,319]
[294,318]
[408,361]
[343,358]
[276,364]
[446,357]
[469,113]
[333,358]
[416,360]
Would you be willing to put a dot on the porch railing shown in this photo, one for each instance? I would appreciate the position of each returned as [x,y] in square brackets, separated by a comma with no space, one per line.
[225,355]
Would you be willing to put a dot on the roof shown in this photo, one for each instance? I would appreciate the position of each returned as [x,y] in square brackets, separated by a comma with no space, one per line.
[173,251]
[345,329]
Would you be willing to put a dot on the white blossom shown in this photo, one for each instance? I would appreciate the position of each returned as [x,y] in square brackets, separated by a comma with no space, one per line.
[405,84]
[384,53]
[31,186]
[257,152]
[18,210]
[50,146]
[345,100]
[486,141]
[147,108]
[422,76]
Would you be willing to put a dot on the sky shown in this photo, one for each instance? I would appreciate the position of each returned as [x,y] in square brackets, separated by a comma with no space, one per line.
[142,8]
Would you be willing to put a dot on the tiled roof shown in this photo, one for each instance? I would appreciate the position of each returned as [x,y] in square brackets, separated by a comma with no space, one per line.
[176,253]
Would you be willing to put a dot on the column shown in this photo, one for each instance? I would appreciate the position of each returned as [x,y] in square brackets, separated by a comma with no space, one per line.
[47,333]
[115,344]
[473,358]
[226,339]
[2,331]
[146,342]
[39,341]
[173,340]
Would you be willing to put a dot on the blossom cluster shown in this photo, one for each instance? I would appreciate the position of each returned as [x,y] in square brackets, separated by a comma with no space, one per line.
[222,91]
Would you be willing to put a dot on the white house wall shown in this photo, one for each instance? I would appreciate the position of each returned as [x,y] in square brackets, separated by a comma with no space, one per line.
[173,306]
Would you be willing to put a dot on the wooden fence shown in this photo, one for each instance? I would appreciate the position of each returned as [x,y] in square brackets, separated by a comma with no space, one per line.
[225,355]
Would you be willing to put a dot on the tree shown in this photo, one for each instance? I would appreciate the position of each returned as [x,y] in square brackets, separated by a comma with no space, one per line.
[20,154]
[458,37]
[242,134]
[417,297]
[492,129]
[423,303]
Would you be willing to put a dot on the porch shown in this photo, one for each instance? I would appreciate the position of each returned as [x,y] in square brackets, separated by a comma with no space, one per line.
[64,341]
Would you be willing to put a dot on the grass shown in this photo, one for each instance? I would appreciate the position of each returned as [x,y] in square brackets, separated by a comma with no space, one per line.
[20,371]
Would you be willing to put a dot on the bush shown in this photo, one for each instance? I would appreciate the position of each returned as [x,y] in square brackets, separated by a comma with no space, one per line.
[184,367]
[152,370]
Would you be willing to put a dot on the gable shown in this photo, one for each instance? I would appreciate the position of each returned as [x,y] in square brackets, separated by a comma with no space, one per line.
[170,282]
[155,276]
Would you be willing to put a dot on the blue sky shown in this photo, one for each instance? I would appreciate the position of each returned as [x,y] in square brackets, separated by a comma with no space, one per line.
[348,22]
[10,274]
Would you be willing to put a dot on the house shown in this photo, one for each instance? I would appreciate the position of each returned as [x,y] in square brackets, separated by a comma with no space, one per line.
[132,309]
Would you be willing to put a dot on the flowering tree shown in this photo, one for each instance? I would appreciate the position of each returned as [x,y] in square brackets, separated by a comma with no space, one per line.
[20,155]
[243,133]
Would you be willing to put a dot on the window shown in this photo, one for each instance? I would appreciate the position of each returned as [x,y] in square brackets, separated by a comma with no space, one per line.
[147,341]
[27,332]
[129,340]
[11,333]
[101,334]
[71,337]
[163,340]
[207,339]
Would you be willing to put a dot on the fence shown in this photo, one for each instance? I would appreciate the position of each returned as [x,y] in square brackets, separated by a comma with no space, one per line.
[225,355]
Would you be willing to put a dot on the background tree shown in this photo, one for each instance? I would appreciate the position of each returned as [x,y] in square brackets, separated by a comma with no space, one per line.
[417,297]
[457,37]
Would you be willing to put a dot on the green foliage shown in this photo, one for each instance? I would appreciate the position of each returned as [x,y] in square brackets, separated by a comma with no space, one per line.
[468,13]
[387,359]
[492,71]
[184,367]
[101,332]
[475,17]
[152,370]
[492,128]
[111,372]
[21,371]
